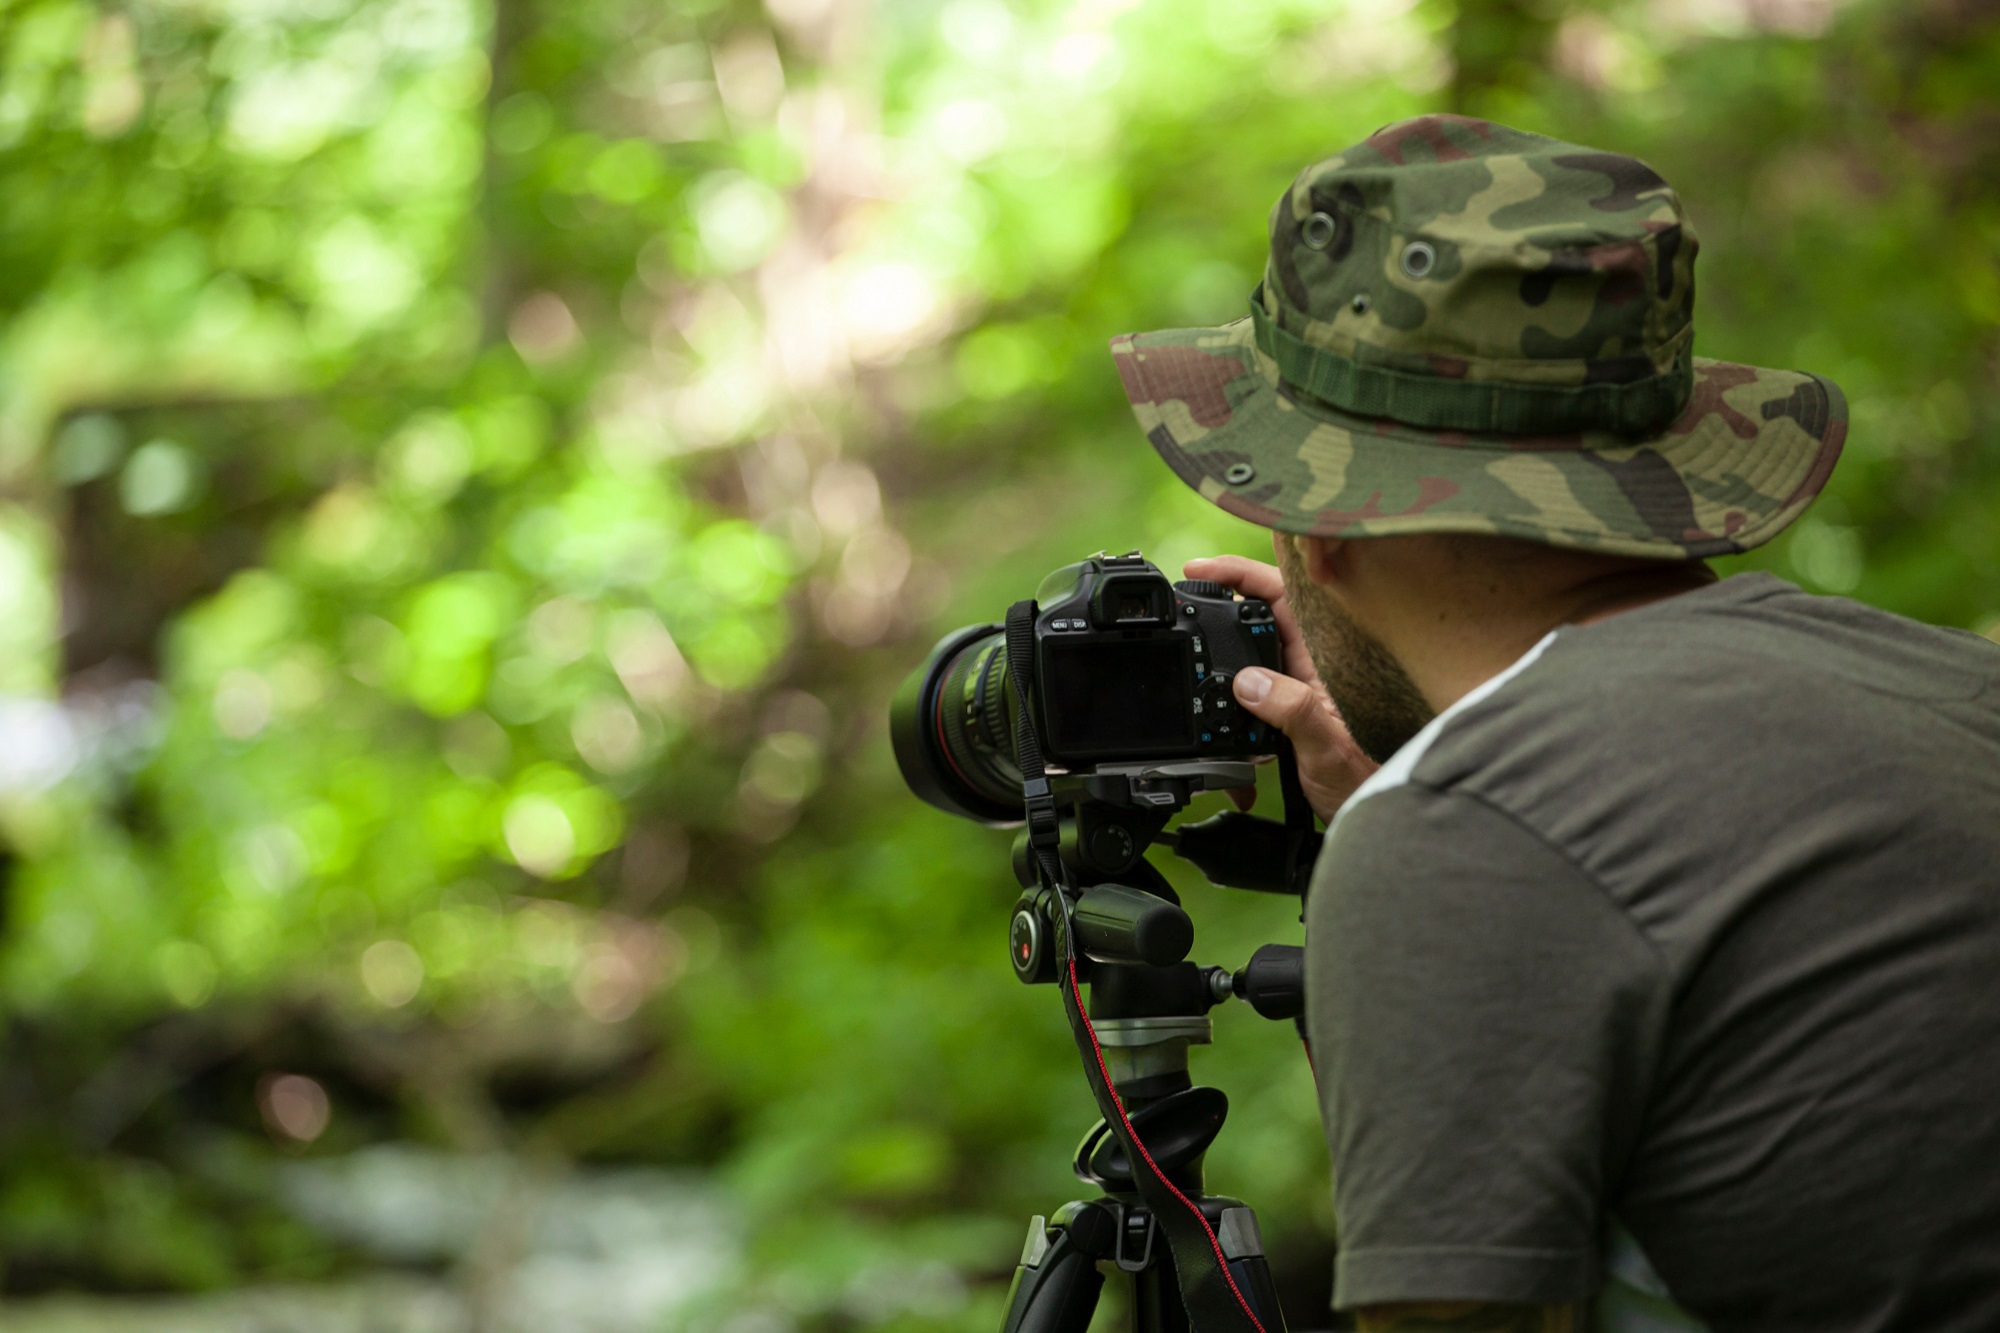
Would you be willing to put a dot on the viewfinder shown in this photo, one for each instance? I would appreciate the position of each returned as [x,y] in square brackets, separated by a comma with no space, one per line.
[1134,602]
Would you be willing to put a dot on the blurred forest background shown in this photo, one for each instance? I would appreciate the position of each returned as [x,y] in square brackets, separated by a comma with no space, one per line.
[473,471]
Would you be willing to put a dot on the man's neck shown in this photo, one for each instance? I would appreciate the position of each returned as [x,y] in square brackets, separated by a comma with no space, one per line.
[1452,646]
[1627,590]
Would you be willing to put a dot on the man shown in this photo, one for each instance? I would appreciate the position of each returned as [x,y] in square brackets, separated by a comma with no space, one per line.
[1663,945]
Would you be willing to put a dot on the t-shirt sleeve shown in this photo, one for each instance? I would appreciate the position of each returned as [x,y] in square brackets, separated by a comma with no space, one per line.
[1484,1020]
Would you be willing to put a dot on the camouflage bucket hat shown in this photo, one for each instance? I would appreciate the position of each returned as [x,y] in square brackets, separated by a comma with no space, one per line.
[1468,328]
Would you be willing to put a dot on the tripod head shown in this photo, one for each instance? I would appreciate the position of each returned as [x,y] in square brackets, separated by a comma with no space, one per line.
[1113,812]
[1127,915]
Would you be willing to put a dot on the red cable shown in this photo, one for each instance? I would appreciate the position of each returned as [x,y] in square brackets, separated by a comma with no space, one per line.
[1220,1258]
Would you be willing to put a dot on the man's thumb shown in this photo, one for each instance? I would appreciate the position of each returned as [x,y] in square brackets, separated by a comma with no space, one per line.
[1279,700]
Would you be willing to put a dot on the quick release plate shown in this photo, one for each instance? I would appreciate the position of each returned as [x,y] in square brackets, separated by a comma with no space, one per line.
[1164,786]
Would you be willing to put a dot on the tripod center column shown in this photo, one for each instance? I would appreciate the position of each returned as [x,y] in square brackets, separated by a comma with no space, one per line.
[1148,1057]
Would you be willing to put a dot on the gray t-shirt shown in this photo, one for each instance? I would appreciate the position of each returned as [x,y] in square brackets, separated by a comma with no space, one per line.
[1689,923]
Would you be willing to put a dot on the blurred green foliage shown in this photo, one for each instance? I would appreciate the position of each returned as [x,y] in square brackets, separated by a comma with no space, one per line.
[471,475]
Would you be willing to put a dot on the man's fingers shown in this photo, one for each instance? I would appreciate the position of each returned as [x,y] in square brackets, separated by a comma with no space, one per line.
[1331,766]
[1252,578]
[1295,708]
[1292,706]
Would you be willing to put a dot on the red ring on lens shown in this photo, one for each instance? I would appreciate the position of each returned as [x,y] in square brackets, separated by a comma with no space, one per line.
[937,711]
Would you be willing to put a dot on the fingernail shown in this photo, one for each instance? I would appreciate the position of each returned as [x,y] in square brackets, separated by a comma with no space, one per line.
[1252,684]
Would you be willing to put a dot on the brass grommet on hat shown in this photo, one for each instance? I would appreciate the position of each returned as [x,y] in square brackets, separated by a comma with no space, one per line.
[1319,231]
[1419,258]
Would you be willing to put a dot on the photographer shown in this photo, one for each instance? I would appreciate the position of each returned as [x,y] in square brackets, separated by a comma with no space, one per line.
[1662,945]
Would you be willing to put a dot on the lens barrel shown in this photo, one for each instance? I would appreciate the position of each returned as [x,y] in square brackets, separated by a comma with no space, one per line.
[951,724]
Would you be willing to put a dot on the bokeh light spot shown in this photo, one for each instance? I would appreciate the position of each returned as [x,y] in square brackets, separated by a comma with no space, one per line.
[295,1108]
[539,836]
[608,986]
[392,973]
[542,329]
[242,706]
[160,478]
[739,219]
[87,448]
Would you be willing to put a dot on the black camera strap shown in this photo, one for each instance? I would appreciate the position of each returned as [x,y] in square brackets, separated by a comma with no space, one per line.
[1214,1302]
[1299,827]
[1044,825]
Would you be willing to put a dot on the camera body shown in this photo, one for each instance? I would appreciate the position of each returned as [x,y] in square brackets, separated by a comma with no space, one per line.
[1129,669]
[1129,666]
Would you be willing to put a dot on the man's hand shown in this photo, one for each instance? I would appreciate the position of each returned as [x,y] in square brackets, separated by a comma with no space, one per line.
[1331,765]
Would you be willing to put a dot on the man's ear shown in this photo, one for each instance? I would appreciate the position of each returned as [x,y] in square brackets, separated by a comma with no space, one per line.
[1324,559]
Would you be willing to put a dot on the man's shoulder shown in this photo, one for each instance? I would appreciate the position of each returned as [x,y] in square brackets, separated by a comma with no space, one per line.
[1681,686]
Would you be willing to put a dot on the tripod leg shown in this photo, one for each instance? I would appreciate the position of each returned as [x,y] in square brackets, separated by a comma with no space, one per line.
[1243,1246]
[1156,1292]
[1057,1283]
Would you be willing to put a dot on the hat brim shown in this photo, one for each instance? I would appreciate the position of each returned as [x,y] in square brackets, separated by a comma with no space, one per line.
[1743,459]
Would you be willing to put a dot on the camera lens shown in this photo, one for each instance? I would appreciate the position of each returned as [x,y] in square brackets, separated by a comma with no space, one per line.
[952,726]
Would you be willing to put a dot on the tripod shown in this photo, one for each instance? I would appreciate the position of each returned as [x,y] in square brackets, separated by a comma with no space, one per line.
[1147,1007]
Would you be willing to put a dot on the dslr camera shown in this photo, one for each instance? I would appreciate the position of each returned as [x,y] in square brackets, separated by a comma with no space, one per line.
[1130,672]
[1130,703]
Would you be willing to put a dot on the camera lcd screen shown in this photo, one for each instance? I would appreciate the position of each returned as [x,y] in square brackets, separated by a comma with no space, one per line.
[1123,697]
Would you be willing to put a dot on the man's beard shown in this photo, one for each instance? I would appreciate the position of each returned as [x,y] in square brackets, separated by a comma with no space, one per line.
[1382,706]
